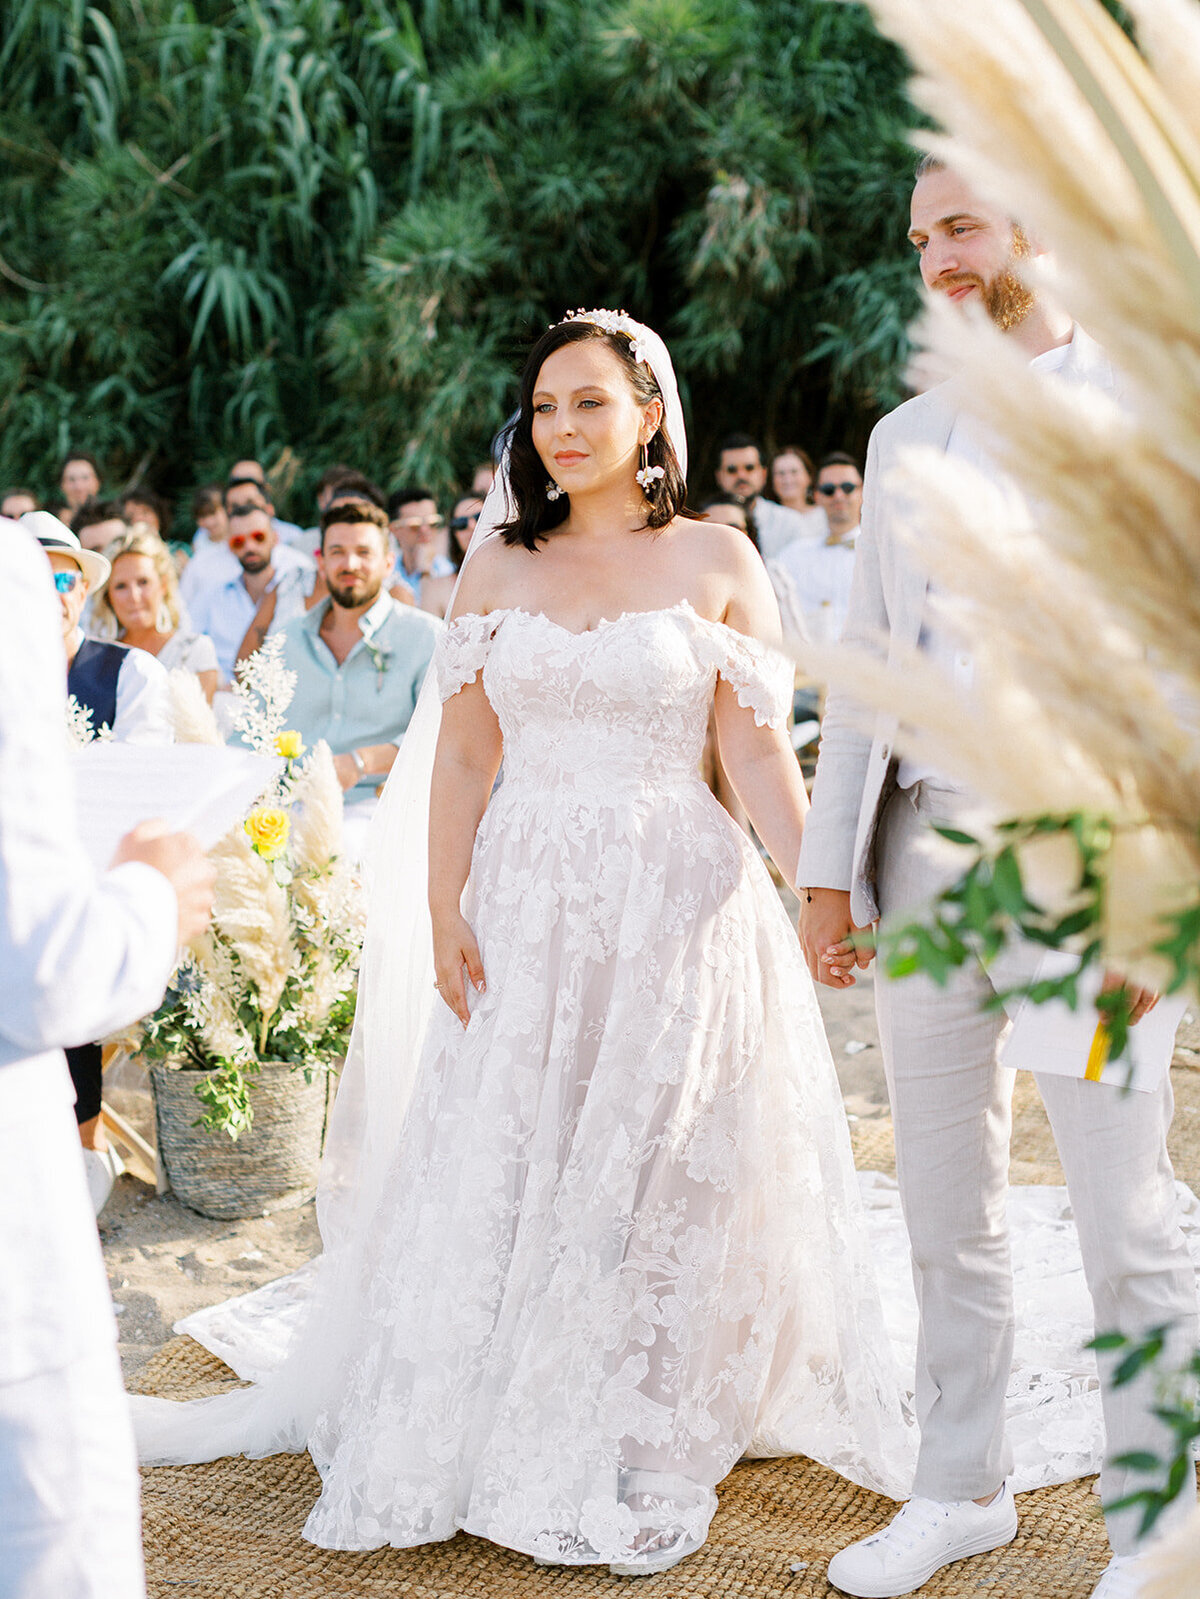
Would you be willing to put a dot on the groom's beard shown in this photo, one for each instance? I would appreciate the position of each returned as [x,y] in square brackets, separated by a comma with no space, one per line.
[1007,298]
[1009,301]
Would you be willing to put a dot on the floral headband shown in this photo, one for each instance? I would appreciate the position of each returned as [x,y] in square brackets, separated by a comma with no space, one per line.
[615,322]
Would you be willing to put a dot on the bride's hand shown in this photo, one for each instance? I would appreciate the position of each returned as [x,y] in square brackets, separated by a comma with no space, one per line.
[455,951]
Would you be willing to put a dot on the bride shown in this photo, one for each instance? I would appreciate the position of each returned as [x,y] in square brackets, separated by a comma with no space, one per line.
[592,1229]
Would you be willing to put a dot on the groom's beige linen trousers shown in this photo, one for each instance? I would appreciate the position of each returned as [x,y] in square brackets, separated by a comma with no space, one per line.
[950,1098]
[951,1110]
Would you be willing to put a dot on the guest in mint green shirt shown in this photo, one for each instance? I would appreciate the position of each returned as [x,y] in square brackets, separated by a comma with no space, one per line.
[359,656]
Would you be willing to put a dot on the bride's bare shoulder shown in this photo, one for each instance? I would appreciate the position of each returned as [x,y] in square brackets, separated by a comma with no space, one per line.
[717,547]
[491,575]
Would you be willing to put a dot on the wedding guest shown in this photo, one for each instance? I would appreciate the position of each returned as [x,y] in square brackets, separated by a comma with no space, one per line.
[211,562]
[140,606]
[79,479]
[418,529]
[812,580]
[81,954]
[732,512]
[141,504]
[839,487]
[98,522]
[125,691]
[482,479]
[741,473]
[208,514]
[338,482]
[15,502]
[269,583]
[463,520]
[359,659]
[792,475]
[870,849]
[251,471]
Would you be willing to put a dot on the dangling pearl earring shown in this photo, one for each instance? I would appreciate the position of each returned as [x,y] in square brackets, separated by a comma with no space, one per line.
[553,492]
[649,475]
[162,622]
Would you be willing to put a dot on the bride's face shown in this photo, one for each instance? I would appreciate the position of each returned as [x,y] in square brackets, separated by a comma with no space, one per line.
[588,425]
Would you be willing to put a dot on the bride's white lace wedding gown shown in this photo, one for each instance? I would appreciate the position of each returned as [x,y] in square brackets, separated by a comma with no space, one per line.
[622,1241]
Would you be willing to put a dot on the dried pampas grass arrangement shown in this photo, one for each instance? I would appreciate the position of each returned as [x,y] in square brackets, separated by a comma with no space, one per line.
[275,977]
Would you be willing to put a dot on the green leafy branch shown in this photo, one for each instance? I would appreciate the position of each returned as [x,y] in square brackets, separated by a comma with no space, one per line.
[991,904]
[1179,1412]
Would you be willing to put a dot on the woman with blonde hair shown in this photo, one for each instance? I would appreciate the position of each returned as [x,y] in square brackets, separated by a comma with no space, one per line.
[140,606]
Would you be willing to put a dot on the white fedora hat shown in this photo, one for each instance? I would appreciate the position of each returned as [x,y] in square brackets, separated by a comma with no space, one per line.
[56,538]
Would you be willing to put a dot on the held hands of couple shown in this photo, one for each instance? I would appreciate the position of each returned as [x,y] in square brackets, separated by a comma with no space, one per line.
[826,931]
[185,866]
[455,953]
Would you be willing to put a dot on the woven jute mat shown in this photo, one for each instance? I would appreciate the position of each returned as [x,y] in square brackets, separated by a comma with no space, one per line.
[231,1530]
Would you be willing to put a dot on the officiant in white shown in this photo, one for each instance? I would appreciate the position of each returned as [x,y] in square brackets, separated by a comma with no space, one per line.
[80,955]
[869,851]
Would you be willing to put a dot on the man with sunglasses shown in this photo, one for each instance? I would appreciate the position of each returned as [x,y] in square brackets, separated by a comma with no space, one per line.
[839,494]
[812,580]
[123,689]
[262,584]
[419,530]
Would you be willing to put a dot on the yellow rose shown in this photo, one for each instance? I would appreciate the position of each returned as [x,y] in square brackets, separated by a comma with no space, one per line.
[268,831]
[290,745]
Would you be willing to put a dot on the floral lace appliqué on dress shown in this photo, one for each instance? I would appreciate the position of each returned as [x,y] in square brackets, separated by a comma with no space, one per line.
[623,1242]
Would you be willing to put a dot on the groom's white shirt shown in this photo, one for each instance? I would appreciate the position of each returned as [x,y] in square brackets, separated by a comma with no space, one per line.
[856,771]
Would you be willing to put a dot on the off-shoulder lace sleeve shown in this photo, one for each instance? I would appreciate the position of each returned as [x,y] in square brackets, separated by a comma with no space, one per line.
[461,652]
[762,678]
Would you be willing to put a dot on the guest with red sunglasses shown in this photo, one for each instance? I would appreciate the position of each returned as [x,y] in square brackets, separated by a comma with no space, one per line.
[272,583]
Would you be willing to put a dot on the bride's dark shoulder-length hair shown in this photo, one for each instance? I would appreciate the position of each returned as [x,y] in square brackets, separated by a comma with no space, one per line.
[535,517]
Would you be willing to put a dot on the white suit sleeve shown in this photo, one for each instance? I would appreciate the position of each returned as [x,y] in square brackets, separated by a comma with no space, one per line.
[80,955]
[143,714]
[827,848]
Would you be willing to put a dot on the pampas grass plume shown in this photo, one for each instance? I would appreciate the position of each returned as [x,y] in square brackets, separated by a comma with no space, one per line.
[250,911]
[192,718]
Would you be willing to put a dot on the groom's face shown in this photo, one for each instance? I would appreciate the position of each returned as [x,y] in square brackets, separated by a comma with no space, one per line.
[970,251]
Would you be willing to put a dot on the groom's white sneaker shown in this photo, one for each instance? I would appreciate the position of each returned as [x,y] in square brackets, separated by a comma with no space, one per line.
[923,1536]
[1122,1578]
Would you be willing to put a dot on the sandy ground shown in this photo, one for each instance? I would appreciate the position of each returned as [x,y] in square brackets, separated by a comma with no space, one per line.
[164,1261]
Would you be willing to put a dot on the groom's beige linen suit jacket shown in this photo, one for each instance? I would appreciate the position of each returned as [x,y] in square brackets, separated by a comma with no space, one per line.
[856,771]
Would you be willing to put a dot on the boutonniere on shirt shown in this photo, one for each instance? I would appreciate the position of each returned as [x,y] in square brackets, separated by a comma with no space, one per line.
[379,659]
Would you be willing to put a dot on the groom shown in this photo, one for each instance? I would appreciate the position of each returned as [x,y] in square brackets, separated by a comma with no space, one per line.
[869,851]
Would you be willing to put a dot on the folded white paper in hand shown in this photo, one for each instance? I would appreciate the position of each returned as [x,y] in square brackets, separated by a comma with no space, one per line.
[202,789]
[1070,1043]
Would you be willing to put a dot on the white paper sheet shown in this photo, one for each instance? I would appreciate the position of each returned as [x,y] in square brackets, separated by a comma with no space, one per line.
[1054,1038]
[203,789]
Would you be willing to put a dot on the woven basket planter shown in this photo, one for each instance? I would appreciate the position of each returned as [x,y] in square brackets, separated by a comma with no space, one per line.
[272,1167]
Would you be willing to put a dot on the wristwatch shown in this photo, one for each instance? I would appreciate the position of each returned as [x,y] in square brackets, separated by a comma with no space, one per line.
[360,765]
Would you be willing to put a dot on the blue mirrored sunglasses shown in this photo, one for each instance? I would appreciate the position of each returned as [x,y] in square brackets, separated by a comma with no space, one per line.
[64,582]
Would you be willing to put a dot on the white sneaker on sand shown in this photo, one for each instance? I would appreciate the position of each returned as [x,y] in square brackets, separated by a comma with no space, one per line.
[103,1167]
[1121,1578]
[922,1537]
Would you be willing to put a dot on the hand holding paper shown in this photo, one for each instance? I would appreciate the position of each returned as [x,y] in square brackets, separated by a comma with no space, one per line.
[183,863]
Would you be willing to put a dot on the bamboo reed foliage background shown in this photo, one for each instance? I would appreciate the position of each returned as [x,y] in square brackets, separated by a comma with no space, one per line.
[229,226]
